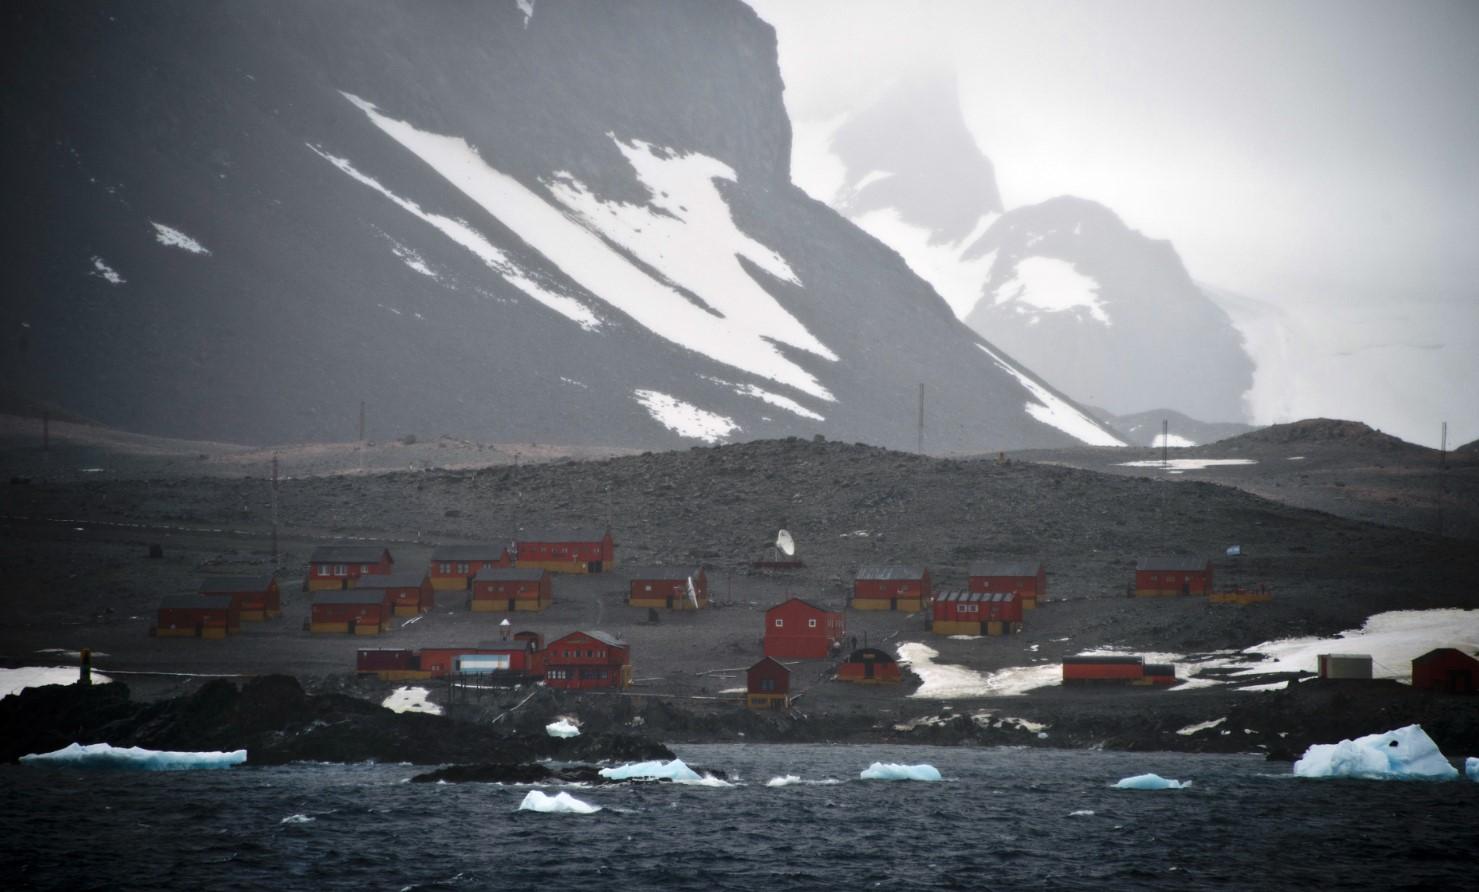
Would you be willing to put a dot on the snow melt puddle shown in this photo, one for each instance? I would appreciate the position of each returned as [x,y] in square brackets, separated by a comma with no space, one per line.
[1392,639]
[1050,285]
[13,681]
[1055,411]
[105,272]
[1176,465]
[686,234]
[558,804]
[134,758]
[685,419]
[409,699]
[174,238]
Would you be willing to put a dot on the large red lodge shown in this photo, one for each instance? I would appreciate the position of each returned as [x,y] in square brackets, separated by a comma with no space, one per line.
[891,588]
[1028,579]
[573,551]
[454,567]
[338,566]
[800,630]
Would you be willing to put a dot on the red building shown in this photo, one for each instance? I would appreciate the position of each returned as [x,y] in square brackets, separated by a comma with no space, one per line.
[768,685]
[338,566]
[891,588]
[799,630]
[256,597]
[499,589]
[587,660]
[1164,577]
[1446,669]
[573,551]
[519,658]
[976,613]
[197,616]
[407,593]
[390,663]
[668,587]
[1103,669]
[454,566]
[870,665]
[352,612]
[1029,579]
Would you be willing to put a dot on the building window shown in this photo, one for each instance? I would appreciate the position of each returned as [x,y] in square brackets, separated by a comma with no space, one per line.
[364,568]
[462,568]
[444,568]
[767,684]
[811,624]
[780,623]
[341,570]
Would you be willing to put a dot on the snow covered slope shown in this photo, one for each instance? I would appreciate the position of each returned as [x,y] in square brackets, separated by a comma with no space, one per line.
[573,223]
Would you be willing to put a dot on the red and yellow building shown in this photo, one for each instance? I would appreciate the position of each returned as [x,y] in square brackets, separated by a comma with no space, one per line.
[891,588]
[1169,577]
[569,551]
[798,629]
[255,598]
[1028,578]
[583,660]
[768,685]
[959,612]
[667,587]
[870,665]
[506,589]
[453,567]
[351,612]
[406,593]
[338,566]
[197,616]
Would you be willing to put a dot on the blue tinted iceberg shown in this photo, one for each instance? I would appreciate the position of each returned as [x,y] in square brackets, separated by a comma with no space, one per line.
[133,758]
[1404,754]
[1471,768]
[657,770]
[560,804]
[1151,782]
[562,728]
[894,771]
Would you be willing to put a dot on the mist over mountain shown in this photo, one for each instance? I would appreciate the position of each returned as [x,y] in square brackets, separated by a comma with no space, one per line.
[557,222]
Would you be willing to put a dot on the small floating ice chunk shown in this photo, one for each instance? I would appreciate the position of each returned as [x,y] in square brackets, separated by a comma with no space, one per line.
[562,728]
[559,804]
[1407,753]
[410,699]
[174,238]
[102,270]
[895,771]
[1150,782]
[1081,813]
[789,779]
[103,755]
[1471,768]
[297,819]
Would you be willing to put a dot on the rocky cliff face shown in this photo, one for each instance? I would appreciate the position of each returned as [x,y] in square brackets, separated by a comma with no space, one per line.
[576,224]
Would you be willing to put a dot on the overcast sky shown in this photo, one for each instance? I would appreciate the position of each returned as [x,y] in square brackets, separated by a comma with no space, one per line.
[1320,156]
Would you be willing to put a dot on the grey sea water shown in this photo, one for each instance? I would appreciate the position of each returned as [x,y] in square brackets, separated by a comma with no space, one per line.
[1001,819]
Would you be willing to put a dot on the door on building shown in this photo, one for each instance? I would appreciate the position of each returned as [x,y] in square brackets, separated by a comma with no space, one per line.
[868,669]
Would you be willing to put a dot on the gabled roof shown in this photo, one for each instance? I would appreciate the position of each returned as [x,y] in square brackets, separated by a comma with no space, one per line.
[509,574]
[580,534]
[398,579]
[1443,651]
[895,571]
[965,597]
[799,601]
[603,637]
[350,596]
[1005,568]
[664,573]
[348,554]
[217,584]
[196,602]
[874,654]
[484,552]
[763,660]
[1173,563]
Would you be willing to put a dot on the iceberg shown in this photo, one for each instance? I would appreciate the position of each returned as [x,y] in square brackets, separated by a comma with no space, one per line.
[789,779]
[562,728]
[674,771]
[1404,754]
[1150,782]
[894,771]
[133,758]
[559,804]
[1471,768]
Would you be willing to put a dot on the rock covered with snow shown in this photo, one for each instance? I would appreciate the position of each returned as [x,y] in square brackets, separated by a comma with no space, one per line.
[133,758]
[1150,782]
[563,727]
[892,771]
[1407,753]
[559,804]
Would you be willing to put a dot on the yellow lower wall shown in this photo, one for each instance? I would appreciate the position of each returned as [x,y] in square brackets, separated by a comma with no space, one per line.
[489,605]
[403,675]
[1029,603]
[951,627]
[766,701]
[1157,592]
[554,566]
[328,628]
[530,604]
[407,609]
[253,616]
[320,584]
[1240,597]
[871,604]
[366,629]
[213,632]
[449,583]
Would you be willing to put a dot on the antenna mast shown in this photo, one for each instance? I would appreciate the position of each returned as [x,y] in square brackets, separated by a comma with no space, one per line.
[1165,440]
[920,445]
[274,512]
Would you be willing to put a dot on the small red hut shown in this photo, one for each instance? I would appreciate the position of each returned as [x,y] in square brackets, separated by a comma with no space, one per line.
[407,593]
[668,587]
[797,629]
[353,612]
[869,665]
[587,660]
[1165,577]
[389,664]
[1446,669]
[891,588]
[197,616]
[768,685]
[338,566]
[1103,669]
[1028,578]
[454,566]
[500,589]
[256,597]
[959,612]
[572,551]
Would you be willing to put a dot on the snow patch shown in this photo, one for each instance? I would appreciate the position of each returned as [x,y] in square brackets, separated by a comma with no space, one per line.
[767,396]
[1171,441]
[960,281]
[1150,782]
[105,272]
[1176,465]
[410,699]
[527,8]
[134,758]
[562,728]
[1055,411]
[1200,726]
[174,238]
[1051,285]
[558,804]
[1392,639]
[1404,754]
[892,771]
[869,178]
[685,419]
[13,681]
[941,681]
[412,259]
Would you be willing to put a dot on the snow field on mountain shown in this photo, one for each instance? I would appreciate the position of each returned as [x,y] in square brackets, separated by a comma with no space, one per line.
[1050,285]
[745,341]
[685,419]
[760,393]
[1056,412]
[943,264]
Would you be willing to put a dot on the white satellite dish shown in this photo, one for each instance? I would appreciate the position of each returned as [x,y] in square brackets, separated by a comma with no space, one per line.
[692,594]
[785,543]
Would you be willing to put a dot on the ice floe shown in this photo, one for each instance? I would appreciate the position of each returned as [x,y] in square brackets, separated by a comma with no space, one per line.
[105,272]
[297,819]
[676,771]
[1081,813]
[562,728]
[685,419]
[103,755]
[1150,782]
[13,681]
[559,804]
[174,238]
[790,780]
[1407,753]
[1054,411]
[411,699]
[892,771]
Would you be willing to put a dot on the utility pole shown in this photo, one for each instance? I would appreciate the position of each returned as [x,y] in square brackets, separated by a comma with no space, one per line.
[1443,448]
[920,446]
[1165,442]
[274,513]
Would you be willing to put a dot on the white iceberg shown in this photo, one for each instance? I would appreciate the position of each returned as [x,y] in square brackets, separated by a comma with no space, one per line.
[1471,768]
[411,699]
[1404,754]
[560,804]
[895,771]
[675,771]
[562,728]
[1151,782]
[103,755]
[789,779]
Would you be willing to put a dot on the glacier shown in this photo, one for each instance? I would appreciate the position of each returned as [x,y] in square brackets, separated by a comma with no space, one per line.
[893,771]
[560,804]
[1150,782]
[133,758]
[1407,753]
[562,728]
